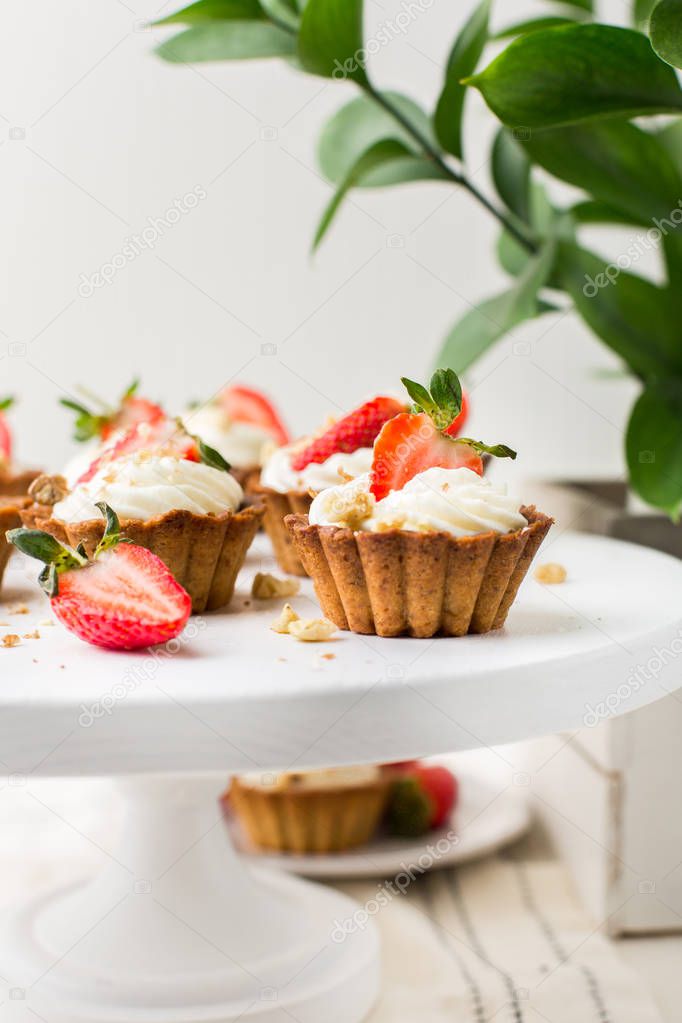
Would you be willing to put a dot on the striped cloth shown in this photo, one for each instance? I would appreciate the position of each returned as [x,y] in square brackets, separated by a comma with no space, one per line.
[502,940]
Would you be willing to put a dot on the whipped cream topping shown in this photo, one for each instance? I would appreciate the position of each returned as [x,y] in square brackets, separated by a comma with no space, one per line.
[241,444]
[278,474]
[144,485]
[329,778]
[455,501]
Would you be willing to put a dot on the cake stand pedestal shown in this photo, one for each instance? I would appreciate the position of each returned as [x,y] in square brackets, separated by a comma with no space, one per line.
[177,929]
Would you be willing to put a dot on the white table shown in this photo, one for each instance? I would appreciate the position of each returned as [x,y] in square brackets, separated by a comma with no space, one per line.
[177,930]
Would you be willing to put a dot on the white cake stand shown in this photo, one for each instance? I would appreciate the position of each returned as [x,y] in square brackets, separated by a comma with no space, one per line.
[177,929]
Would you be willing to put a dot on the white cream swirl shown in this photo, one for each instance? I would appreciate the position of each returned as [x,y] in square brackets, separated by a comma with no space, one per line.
[455,501]
[241,444]
[144,485]
[279,475]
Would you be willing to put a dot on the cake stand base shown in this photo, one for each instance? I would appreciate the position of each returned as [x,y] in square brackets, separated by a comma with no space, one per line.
[178,930]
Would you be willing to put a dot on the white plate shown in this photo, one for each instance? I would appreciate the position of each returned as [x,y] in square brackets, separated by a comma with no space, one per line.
[487,818]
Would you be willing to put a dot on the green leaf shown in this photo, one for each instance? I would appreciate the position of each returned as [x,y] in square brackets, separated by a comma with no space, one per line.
[6,403]
[511,173]
[615,162]
[495,317]
[464,57]
[665,30]
[446,391]
[635,318]
[496,450]
[214,10]
[330,41]
[592,211]
[653,446]
[641,13]
[670,138]
[583,5]
[112,531]
[577,73]
[209,456]
[386,162]
[87,424]
[419,394]
[43,547]
[359,125]
[532,25]
[283,13]
[228,40]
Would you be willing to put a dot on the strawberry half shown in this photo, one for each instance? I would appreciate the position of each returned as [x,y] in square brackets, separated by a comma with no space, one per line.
[411,443]
[131,411]
[422,797]
[245,405]
[163,436]
[455,427]
[5,432]
[358,429]
[123,599]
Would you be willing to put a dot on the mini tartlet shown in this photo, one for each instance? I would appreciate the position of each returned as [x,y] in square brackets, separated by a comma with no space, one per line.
[294,473]
[421,545]
[183,510]
[10,518]
[14,482]
[312,811]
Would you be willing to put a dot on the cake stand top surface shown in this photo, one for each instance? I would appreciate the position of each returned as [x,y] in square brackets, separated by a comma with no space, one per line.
[231,694]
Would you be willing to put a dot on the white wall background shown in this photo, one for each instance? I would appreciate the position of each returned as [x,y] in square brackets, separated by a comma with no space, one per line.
[97,135]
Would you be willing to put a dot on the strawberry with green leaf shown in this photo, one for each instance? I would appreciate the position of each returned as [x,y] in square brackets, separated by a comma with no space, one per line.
[123,598]
[421,798]
[422,438]
[246,405]
[5,432]
[132,410]
[358,429]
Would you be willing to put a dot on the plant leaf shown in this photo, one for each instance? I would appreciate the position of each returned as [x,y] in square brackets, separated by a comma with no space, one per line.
[214,10]
[615,162]
[583,5]
[532,25]
[577,73]
[489,321]
[330,40]
[227,40]
[511,173]
[496,450]
[593,211]
[464,57]
[653,446]
[386,162]
[283,13]
[670,138]
[665,31]
[641,12]
[359,125]
[6,403]
[635,318]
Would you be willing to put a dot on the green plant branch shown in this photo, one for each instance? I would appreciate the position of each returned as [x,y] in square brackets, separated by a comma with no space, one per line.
[459,179]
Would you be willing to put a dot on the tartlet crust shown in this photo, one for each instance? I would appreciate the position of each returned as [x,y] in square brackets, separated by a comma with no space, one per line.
[277,507]
[401,582]
[310,820]
[204,552]
[16,484]
[10,518]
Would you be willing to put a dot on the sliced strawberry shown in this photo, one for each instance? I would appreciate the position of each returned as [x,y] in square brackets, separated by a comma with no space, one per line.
[455,427]
[122,599]
[125,600]
[133,411]
[162,435]
[411,443]
[5,438]
[421,798]
[358,429]
[245,405]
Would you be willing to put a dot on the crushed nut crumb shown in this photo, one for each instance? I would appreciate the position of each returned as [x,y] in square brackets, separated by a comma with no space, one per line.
[46,621]
[32,635]
[550,573]
[327,657]
[286,618]
[266,587]
[19,609]
[11,639]
[312,630]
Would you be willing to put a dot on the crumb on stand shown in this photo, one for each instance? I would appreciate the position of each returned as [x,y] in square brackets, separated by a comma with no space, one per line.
[551,573]
[267,587]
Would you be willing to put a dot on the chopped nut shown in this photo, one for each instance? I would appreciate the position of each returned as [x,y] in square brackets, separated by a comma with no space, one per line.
[312,630]
[11,639]
[32,635]
[550,573]
[286,618]
[48,489]
[327,657]
[46,621]
[345,476]
[19,609]
[266,587]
